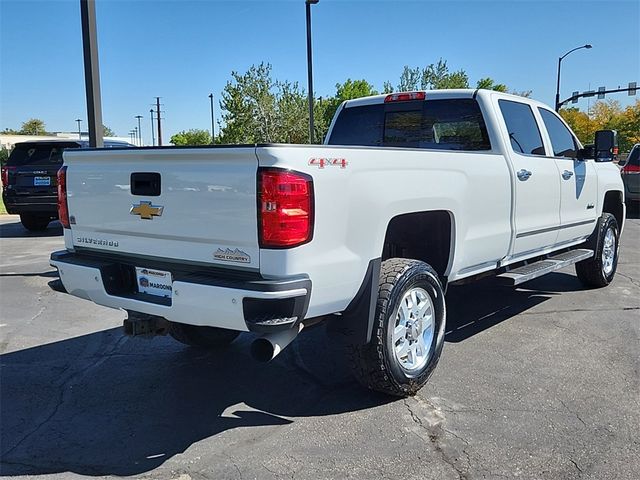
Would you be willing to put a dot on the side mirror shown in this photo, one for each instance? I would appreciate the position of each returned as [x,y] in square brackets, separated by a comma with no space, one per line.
[587,152]
[606,145]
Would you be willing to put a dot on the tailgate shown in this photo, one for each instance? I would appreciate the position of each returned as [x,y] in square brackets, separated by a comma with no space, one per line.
[36,180]
[203,210]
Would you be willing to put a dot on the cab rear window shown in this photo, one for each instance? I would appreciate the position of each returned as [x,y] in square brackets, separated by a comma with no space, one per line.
[455,124]
[38,154]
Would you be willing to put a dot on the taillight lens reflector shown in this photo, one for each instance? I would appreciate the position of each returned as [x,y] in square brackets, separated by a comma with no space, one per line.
[633,169]
[6,171]
[404,96]
[285,208]
[63,207]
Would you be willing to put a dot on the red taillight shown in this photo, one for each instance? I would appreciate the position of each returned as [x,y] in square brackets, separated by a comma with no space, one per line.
[63,207]
[6,171]
[633,169]
[285,208]
[404,96]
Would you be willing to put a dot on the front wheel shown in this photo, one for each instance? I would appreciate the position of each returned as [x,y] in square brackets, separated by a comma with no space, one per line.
[202,336]
[408,333]
[599,270]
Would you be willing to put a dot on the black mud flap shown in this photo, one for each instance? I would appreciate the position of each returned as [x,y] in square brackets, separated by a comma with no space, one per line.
[356,322]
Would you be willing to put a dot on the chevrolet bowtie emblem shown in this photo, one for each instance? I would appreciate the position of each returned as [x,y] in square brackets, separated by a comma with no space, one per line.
[146,210]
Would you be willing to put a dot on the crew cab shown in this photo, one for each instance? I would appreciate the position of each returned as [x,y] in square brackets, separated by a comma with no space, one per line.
[410,192]
[29,179]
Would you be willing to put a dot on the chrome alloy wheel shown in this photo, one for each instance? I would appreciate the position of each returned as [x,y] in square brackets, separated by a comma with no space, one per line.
[608,251]
[413,330]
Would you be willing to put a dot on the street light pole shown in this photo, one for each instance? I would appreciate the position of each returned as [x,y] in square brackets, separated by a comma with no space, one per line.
[587,46]
[79,131]
[213,131]
[153,138]
[308,4]
[139,130]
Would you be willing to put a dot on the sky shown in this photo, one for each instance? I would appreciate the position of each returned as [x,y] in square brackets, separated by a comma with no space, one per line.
[184,50]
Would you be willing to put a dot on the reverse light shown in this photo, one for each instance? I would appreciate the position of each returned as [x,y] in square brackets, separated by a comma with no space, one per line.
[6,171]
[285,208]
[404,97]
[63,206]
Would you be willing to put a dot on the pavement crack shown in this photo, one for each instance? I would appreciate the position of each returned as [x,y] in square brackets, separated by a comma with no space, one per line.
[575,414]
[436,432]
[630,278]
[575,464]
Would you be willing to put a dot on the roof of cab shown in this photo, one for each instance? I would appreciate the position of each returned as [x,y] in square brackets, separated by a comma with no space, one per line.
[439,94]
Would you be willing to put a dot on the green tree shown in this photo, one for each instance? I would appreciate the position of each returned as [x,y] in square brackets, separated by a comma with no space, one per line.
[249,107]
[606,115]
[4,155]
[195,136]
[107,132]
[489,84]
[33,126]
[437,76]
[409,79]
[10,131]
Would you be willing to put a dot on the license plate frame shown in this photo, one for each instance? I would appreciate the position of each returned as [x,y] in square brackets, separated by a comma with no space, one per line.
[151,281]
[41,181]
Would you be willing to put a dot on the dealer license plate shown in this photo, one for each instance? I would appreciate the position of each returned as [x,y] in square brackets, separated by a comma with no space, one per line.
[154,282]
[41,181]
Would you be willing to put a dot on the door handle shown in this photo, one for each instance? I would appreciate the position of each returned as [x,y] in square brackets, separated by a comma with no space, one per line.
[523,175]
[567,174]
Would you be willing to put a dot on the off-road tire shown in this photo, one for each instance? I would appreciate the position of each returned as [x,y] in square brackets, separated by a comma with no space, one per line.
[591,272]
[201,336]
[374,365]
[34,223]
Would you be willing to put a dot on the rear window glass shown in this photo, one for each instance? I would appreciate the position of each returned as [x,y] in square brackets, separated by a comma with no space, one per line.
[634,157]
[38,154]
[455,124]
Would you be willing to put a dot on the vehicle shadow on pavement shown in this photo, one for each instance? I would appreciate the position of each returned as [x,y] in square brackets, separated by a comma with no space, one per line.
[105,404]
[633,211]
[474,308]
[16,230]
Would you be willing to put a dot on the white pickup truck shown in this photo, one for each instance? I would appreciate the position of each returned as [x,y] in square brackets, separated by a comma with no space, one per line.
[410,192]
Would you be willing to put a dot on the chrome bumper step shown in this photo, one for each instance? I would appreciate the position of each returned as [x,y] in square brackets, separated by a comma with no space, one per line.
[542,267]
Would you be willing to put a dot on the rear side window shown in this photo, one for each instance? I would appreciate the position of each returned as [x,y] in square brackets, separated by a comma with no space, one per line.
[522,127]
[38,154]
[562,141]
[359,126]
[455,124]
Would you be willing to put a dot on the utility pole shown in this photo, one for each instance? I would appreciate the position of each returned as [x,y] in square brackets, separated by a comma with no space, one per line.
[153,139]
[158,118]
[79,131]
[139,130]
[213,132]
[308,4]
[91,72]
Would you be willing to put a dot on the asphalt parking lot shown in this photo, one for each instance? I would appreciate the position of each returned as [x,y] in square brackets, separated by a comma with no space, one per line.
[540,382]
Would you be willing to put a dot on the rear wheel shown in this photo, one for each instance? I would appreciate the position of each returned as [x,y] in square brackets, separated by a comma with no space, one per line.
[34,222]
[599,270]
[408,333]
[201,336]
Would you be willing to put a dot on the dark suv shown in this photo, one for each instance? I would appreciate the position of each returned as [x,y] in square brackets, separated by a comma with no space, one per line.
[29,179]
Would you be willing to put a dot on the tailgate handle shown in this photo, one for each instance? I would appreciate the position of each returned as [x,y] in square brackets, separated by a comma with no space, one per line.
[146,184]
